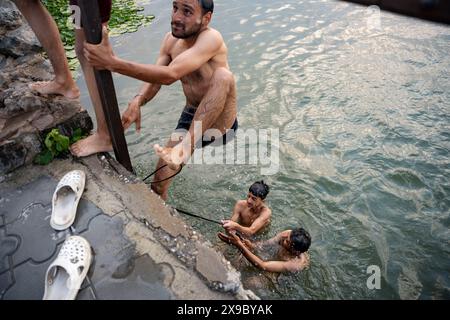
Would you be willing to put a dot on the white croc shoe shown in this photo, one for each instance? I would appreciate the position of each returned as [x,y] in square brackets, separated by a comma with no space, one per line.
[66,198]
[66,274]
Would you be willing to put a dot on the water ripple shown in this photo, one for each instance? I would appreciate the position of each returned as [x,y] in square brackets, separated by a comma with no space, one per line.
[364,121]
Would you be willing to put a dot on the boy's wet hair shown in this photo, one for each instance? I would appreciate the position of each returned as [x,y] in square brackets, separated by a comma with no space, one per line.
[300,239]
[259,189]
[207,6]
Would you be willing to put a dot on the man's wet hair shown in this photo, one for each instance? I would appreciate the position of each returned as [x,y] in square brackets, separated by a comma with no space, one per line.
[300,240]
[207,6]
[259,189]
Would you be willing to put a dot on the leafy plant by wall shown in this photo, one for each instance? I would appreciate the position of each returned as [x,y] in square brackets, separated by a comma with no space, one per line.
[57,145]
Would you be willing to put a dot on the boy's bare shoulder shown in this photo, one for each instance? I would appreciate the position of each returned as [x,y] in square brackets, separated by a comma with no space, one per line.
[241,204]
[267,211]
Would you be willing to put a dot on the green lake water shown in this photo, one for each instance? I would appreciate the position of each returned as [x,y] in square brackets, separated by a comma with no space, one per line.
[363,115]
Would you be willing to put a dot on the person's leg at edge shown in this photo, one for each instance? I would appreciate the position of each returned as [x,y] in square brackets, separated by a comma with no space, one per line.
[47,32]
[162,188]
[100,141]
[216,110]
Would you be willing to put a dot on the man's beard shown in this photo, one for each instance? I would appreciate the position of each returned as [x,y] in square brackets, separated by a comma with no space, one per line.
[187,34]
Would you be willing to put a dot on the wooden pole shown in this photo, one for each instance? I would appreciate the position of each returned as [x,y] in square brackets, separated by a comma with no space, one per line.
[90,17]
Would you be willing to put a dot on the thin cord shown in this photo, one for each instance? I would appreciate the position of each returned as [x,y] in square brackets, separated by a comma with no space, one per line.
[160,168]
[199,217]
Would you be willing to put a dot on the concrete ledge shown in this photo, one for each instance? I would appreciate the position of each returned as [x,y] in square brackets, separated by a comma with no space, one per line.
[188,265]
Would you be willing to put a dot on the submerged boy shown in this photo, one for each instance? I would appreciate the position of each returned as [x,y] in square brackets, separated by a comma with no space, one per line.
[291,255]
[251,215]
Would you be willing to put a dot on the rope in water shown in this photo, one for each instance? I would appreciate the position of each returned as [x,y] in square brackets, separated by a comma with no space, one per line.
[179,210]
[198,217]
[160,168]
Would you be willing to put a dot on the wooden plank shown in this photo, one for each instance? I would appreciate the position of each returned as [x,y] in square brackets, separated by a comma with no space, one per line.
[432,10]
[90,17]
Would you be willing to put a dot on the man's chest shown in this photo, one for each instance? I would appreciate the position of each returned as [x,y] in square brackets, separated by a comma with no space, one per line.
[249,216]
[202,73]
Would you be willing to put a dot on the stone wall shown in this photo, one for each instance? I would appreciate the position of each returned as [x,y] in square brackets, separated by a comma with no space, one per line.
[26,116]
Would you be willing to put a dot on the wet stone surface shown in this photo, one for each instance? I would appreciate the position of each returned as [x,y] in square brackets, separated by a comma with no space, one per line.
[28,245]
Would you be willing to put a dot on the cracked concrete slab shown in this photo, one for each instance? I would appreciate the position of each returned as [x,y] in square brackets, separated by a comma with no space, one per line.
[179,278]
[142,248]
[29,281]
[156,212]
[110,247]
[142,280]
[27,194]
[6,282]
[86,212]
[209,266]
[38,240]
[8,245]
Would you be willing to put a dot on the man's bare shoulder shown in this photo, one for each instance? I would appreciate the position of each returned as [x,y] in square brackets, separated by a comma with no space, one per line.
[266,211]
[298,263]
[213,33]
[241,204]
[211,37]
[294,265]
[169,40]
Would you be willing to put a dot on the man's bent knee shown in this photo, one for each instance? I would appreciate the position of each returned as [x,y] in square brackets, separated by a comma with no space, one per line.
[223,75]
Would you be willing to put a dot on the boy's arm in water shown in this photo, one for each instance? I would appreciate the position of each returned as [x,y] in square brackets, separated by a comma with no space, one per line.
[272,241]
[270,266]
[227,239]
[236,212]
[235,217]
[256,226]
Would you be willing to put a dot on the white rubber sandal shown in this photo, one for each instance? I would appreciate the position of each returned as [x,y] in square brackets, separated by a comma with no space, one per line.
[66,198]
[66,274]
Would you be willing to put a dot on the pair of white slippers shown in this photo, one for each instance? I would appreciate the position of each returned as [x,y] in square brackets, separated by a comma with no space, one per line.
[66,274]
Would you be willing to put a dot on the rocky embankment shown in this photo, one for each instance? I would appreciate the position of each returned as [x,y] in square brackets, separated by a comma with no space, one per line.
[176,257]
[27,116]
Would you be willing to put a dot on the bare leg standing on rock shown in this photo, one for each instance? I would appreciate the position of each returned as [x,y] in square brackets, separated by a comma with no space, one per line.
[47,32]
[100,141]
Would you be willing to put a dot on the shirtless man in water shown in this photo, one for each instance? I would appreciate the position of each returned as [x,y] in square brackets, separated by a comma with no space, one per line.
[291,256]
[196,55]
[251,215]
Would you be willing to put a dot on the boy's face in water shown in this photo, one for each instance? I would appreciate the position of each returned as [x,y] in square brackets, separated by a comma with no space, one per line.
[285,240]
[253,201]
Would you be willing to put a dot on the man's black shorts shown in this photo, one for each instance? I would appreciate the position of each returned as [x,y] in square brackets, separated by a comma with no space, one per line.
[184,123]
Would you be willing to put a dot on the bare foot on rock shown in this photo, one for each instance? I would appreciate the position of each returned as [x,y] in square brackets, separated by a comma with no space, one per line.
[53,87]
[90,145]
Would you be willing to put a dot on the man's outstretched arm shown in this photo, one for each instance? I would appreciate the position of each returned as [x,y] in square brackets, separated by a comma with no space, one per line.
[256,226]
[270,266]
[101,56]
[147,92]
